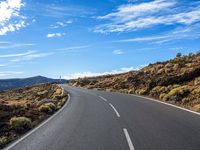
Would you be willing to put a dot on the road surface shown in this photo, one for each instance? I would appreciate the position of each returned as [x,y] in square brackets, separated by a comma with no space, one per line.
[97,120]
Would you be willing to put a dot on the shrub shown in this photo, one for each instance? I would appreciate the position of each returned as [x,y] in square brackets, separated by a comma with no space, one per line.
[51,105]
[131,91]
[20,123]
[162,96]
[61,103]
[196,91]
[178,55]
[177,93]
[45,108]
[3,140]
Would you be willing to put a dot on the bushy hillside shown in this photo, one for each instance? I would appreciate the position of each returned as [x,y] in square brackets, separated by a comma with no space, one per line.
[175,81]
[9,84]
[24,108]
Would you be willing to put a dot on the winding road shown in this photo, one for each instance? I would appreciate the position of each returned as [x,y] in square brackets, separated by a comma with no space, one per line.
[97,120]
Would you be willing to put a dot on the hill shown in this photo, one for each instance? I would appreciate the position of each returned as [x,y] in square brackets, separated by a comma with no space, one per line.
[175,81]
[9,84]
[24,108]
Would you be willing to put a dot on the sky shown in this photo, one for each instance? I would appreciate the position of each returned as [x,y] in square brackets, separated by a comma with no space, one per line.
[77,38]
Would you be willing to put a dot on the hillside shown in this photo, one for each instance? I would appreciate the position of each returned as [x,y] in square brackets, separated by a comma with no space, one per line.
[175,81]
[24,108]
[9,84]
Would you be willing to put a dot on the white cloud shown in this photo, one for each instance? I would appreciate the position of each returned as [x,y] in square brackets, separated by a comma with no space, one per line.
[3,65]
[10,17]
[9,45]
[93,74]
[73,48]
[60,24]
[118,52]
[53,35]
[9,73]
[17,55]
[189,32]
[29,55]
[132,17]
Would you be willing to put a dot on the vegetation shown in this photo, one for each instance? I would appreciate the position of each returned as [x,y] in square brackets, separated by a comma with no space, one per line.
[20,123]
[24,108]
[176,81]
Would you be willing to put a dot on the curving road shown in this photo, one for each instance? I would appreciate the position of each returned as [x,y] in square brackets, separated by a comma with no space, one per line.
[97,120]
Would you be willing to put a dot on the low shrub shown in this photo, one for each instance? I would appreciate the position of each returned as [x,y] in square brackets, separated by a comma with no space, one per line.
[3,140]
[20,123]
[61,103]
[177,93]
[45,108]
[51,105]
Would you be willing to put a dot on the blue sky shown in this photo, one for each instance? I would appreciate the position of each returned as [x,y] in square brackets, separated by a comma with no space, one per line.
[75,38]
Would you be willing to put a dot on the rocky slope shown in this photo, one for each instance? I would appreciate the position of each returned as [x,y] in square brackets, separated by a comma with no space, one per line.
[24,108]
[10,84]
[176,81]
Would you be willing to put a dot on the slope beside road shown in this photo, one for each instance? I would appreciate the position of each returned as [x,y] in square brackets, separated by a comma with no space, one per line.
[112,121]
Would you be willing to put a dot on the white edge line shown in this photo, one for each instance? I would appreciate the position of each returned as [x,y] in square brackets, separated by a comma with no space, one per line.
[103,98]
[130,144]
[178,107]
[37,127]
[114,110]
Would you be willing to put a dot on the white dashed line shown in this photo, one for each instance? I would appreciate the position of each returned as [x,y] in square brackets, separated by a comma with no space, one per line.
[114,110]
[103,98]
[130,144]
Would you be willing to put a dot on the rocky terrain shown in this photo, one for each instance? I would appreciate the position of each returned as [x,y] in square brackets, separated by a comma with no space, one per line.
[24,108]
[175,81]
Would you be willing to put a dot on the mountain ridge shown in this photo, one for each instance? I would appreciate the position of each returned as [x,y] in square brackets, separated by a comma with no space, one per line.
[10,84]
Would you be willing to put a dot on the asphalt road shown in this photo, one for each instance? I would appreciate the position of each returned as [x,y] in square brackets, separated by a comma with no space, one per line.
[97,120]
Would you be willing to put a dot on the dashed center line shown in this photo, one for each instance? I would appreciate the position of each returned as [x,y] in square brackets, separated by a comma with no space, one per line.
[130,144]
[114,110]
[103,98]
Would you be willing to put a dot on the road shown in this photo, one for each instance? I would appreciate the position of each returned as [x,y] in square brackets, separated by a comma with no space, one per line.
[97,120]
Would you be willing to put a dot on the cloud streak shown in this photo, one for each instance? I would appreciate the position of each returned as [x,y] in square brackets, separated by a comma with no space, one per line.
[118,52]
[29,55]
[132,17]
[9,73]
[54,35]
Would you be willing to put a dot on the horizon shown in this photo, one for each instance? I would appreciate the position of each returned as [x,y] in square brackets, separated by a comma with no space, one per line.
[90,38]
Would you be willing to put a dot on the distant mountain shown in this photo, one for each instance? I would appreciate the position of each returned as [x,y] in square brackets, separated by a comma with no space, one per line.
[9,84]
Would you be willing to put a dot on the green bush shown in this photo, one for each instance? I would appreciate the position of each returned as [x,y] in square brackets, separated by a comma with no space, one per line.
[51,105]
[45,108]
[177,93]
[3,140]
[20,123]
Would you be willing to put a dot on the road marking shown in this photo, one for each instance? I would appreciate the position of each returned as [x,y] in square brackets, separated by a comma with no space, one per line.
[151,99]
[130,144]
[114,110]
[36,128]
[103,98]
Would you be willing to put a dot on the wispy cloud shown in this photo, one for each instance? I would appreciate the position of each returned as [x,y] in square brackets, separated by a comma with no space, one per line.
[60,11]
[53,35]
[61,24]
[132,17]
[10,17]
[118,52]
[9,73]
[9,45]
[3,65]
[189,32]
[93,74]
[73,48]
[29,55]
